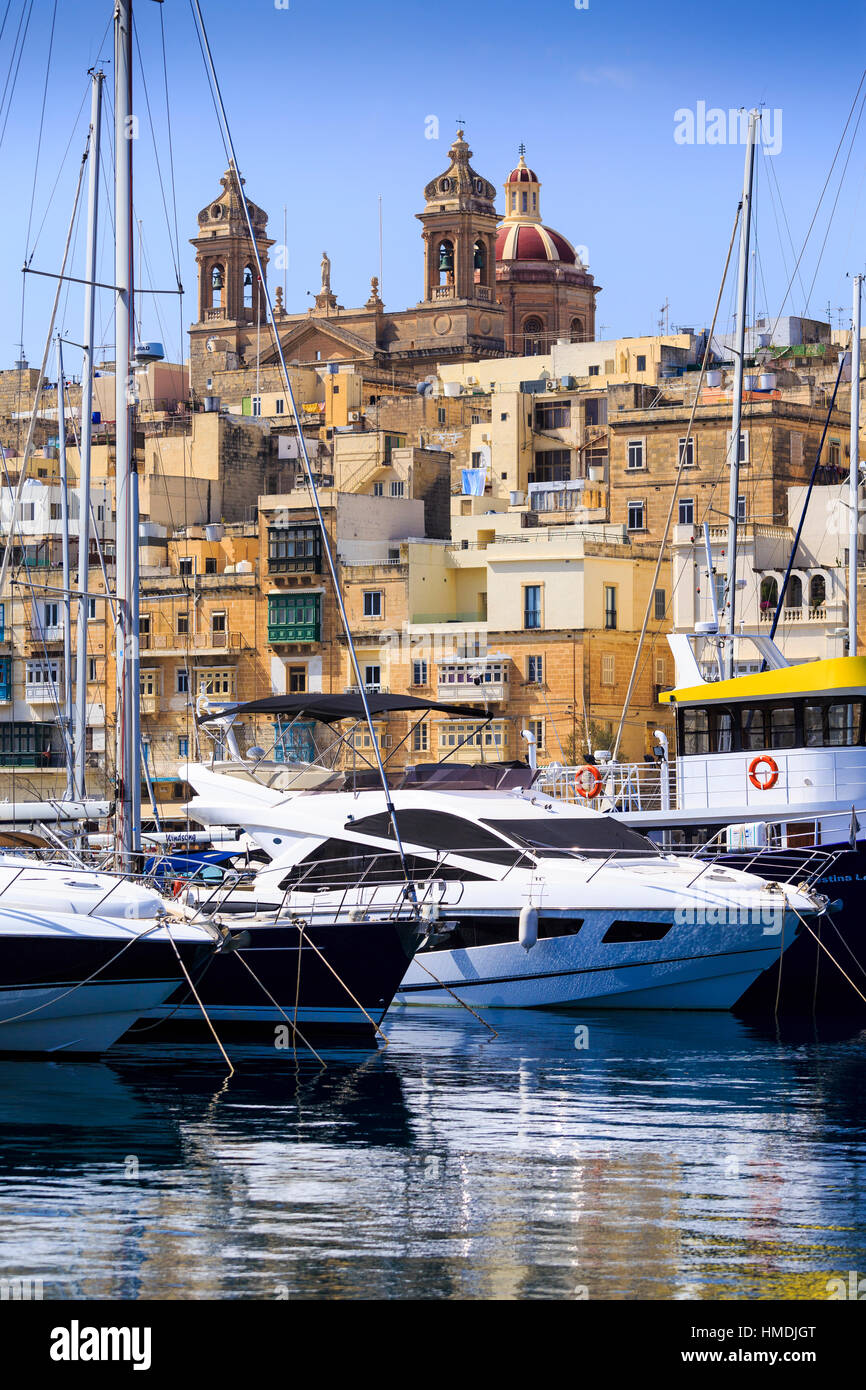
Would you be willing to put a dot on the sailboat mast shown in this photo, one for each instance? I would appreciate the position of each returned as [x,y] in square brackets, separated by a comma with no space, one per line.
[128,774]
[854,469]
[80,735]
[737,413]
[67,597]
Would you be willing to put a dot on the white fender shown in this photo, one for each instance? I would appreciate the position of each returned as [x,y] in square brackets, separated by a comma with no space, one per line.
[528,932]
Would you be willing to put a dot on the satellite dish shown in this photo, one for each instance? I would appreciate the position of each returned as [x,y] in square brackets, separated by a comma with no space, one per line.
[210,344]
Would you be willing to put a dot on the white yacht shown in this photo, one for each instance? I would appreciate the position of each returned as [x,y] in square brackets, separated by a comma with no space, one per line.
[83,955]
[525,901]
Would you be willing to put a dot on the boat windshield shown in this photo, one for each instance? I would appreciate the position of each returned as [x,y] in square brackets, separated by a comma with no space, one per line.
[595,835]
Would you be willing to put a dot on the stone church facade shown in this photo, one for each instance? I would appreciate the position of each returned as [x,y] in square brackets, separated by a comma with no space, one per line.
[489,291]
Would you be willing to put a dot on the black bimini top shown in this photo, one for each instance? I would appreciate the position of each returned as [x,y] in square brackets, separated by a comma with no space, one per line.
[330,709]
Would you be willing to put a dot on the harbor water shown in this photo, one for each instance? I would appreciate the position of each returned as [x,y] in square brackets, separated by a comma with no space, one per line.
[611,1156]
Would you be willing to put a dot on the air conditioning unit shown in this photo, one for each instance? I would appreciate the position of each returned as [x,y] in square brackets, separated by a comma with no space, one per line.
[354,414]
[551,385]
[472,381]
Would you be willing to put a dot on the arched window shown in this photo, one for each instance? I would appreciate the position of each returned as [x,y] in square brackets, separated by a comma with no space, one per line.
[533,330]
[248,287]
[479,261]
[817,590]
[794,594]
[217,284]
[445,261]
[577,330]
[769,595]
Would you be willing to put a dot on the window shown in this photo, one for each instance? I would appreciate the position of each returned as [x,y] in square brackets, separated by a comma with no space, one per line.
[608,668]
[28,511]
[660,604]
[148,681]
[5,678]
[636,516]
[183,747]
[50,616]
[373,678]
[744,445]
[378,489]
[741,510]
[635,453]
[476,458]
[595,411]
[475,419]
[641,362]
[532,606]
[280,406]
[817,591]
[294,549]
[218,628]
[687,511]
[686,452]
[374,603]
[91,668]
[297,680]
[294,617]
[594,371]
[471,735]
[218,681]
[536,727]
[257,405]
[553,466]
[210,564]
[535,670]
[185,565]
[183,624]
[398,488]
[794,594]
[182,680]
[553,415]
[91,610]
[441,414]
[610,606]
[420,738]
[419,672]
[834,453]
[796,448]
[56,511]
[661,672]
[41,678]
[783,731]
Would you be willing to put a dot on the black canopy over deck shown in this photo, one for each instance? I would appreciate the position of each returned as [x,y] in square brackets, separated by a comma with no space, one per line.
[330,709]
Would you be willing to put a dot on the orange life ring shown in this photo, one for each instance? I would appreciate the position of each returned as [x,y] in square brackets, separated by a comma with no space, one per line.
[594,787]
[768,782]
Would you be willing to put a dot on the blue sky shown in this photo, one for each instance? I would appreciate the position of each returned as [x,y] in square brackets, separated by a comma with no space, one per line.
[330,103]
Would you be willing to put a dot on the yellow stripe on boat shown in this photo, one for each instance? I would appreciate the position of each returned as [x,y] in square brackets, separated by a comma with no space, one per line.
[841,675]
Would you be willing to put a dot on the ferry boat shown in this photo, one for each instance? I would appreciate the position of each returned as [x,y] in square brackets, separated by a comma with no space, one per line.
[770,762]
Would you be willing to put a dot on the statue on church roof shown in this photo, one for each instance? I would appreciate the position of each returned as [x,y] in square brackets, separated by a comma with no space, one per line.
[326,273]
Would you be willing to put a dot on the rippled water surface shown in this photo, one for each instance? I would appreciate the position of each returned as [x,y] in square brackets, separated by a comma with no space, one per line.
[689,1156]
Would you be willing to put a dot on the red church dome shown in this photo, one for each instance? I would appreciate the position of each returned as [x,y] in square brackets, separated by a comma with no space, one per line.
[530,241]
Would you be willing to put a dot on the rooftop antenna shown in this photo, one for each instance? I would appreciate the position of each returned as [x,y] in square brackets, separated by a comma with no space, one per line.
[664,317]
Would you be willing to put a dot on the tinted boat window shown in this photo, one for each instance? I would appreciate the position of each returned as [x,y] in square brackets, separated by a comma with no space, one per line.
[623,932]
[696,731]
[752,729]
[594,834]
[783,726]
[343,864]
[843,724]
[435,830]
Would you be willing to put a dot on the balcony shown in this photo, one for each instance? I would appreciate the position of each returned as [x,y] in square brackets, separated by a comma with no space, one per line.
[293,632]
[295,564]
[471,693]
[149,704]
[46,693]
[178,644]
[50,636]
[816,613]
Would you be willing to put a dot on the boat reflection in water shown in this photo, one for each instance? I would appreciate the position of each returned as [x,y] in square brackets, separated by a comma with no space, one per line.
[612,1156]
